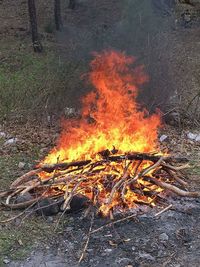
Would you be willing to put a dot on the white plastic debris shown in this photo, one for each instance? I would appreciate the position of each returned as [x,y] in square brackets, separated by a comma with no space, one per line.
[194,137]
[2,134]
[11,141]
[163,137]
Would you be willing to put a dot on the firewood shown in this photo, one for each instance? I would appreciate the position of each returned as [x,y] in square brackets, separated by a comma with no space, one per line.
[26,177]
[174,189]
[132,156]
[110,177]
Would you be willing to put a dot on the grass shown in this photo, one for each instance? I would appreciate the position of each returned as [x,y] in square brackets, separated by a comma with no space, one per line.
[36,84]
[16,239]
[17,242]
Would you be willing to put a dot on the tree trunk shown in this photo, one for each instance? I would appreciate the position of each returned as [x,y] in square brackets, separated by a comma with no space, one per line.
[57,15]
[37,46]
[72,4]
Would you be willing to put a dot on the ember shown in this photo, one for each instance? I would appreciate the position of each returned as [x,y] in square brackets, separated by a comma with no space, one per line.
[119,162]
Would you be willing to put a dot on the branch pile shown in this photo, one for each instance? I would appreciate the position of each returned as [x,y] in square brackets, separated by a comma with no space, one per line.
[111,182]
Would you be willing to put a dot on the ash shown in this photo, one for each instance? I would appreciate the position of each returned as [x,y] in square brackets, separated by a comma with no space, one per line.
[171,239]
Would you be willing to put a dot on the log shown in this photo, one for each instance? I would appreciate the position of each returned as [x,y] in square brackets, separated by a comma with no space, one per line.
[133,156]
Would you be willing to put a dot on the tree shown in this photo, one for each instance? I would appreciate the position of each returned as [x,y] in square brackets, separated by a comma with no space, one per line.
[37,46]
[72,4]
[57,15]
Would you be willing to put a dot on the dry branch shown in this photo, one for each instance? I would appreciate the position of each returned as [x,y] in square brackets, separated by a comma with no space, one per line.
[107,180]
[174,189]
[133,156]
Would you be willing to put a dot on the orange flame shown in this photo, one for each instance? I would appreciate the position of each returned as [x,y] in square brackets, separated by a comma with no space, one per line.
[110,114]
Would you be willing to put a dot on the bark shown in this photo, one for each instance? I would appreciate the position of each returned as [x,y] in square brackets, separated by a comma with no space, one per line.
[57,15]
[37,46]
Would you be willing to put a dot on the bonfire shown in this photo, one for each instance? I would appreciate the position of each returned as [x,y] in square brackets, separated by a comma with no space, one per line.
[110,154]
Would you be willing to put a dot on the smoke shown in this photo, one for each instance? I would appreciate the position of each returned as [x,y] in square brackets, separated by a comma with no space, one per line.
[138,27]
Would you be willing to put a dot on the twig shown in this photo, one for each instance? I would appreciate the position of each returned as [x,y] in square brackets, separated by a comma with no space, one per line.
[179,168]
[88,239]
[162,211]
[25,178]
[21,205]
[112,223]
[145,171]
[175,177]
[18,215]
[174,189]
[118,184]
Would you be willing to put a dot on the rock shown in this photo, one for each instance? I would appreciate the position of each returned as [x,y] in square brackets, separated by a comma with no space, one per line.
[21,165]
[108,250]
[146,256]
[50,219]
[11,141]
[48,207]
[78,203]
[123,261]
[6,261]
[193,137]
[163,138]
[23,198]
[163,237]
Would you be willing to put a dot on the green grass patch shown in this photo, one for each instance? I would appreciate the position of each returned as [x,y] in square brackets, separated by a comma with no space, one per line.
[37,84]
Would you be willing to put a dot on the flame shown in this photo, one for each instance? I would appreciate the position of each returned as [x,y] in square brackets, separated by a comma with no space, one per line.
[110,113]
[110,119]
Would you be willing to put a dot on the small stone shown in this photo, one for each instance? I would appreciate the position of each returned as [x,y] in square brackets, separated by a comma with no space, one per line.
[163,237]
[50,219]
[133,248]
[124,261]
[163,138]
[21,165]
[78,203]
[23,198]
[47,207]
[146,256]
[108,250]
[6,261]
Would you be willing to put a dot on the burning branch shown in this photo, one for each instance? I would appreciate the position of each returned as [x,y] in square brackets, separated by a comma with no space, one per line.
[119,181]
